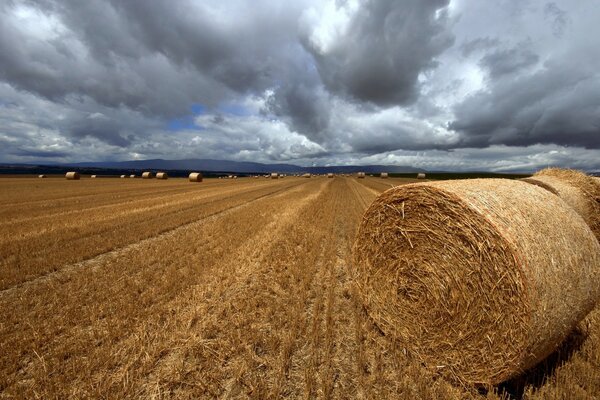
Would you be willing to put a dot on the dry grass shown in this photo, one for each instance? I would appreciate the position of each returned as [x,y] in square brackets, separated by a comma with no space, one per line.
[262,307]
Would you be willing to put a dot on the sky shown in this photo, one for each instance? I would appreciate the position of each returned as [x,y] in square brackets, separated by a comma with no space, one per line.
[504,85]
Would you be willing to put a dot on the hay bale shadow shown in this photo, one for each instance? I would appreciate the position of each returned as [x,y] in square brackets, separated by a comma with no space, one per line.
[537,376]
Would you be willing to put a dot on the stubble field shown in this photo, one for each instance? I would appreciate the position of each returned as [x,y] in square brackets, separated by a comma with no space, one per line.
[240,288]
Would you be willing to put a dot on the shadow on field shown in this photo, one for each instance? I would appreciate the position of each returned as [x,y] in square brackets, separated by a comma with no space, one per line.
[538,375]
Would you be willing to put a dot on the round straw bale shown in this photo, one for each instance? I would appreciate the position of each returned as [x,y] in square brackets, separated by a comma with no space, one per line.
[420,175]
[72,175]
[306,175]
[94,176]
[477,279]
[123,176]
[330,175]
[147,175]
[42,176]
[132,176]
[274,175]
[195,177]
[360,175]
[577,189]
[384,175]
[162,175]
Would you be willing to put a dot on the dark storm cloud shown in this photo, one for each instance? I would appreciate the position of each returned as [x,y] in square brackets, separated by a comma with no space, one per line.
[559,104]
[387,45]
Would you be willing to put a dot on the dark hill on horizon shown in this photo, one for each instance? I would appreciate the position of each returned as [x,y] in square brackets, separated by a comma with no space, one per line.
[240,166]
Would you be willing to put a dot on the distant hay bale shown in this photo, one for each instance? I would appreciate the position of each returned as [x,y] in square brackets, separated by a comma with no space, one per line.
[72,175]
[195,177]
[235,177]
[330,175]
[94,176]
[132,176]
[42,176]
[577,189]
[420,175]
[477,279]
[147,175]
[123,176]
[384,175]
[306,175]
[360,175]
[162,175]
[274,175]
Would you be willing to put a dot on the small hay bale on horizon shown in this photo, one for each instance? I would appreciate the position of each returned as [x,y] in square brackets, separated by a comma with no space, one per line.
[147,175]
[132,176]
[72,176]
[479,280]
[580,191]
[421,175]
[162,175]
[42,176]
[330,175]
[274,175]
[306,175]
[384,175]
[195,177]
[123,176]
[360,175]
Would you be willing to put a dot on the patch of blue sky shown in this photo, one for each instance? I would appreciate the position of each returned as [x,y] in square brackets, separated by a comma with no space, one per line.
[187,122]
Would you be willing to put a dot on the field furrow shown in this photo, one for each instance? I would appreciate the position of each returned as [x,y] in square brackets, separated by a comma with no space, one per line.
[28,255]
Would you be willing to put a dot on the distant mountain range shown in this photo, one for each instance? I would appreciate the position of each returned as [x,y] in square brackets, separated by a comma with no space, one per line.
[239,166]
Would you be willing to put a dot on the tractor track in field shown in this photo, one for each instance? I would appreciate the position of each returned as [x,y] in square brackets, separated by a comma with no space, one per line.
[166,233]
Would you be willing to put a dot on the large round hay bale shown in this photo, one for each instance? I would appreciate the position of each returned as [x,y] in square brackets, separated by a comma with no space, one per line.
[162,175]
[477,279]
[94,176]
[42,176]
[195,177]
[72,175]
[577,189]
[360,175]
[330,175]
[147,175]
[274,175]
[384,175]
[306,175]
[420,175]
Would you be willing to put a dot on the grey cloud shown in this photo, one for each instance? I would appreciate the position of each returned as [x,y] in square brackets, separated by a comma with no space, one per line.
[558,17]
[558,105]
[387,45]
[478,44]
[506,62]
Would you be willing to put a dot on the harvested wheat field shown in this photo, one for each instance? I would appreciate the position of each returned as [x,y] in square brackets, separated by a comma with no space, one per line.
[225,289]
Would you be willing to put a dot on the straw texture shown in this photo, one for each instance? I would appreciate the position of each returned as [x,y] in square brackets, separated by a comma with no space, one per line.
[72,175]
[147,175]
[578,190]
[162,175]
[477,279]
[195,177]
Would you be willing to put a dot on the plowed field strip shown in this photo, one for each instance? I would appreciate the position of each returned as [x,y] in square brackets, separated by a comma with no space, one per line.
[19,212]
[75,331]
[26,258]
